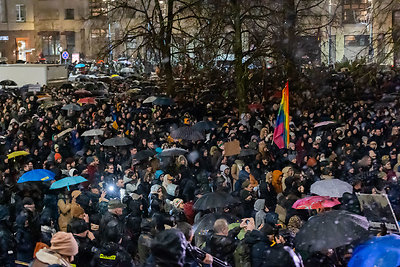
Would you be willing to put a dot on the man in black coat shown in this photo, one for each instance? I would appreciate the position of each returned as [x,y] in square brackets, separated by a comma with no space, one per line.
[222,243]
[115,210]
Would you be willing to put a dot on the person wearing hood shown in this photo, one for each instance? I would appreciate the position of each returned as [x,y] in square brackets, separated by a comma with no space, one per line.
[244,175]
[277,181]
[168,249]
[61,253]
[225,174]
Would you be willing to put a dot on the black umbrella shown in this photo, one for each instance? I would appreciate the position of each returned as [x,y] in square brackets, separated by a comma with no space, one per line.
[144,154]
[66,86]
[72,107]
[187,133]
[247,152]
[331,229]
[172,152]
[8,83]
[215,200]
[205,126]
[117,141]
[206,223]
[163,101]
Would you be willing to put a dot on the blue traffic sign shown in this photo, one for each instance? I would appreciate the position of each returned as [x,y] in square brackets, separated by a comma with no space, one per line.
[65,55]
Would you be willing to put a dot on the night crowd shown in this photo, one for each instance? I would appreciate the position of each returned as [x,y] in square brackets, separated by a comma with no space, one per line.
[137,207]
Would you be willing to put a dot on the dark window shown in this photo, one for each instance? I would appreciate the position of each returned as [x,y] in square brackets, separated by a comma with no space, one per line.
[356,40]
[70,14]
[50,44]
[21,12]
[70,38]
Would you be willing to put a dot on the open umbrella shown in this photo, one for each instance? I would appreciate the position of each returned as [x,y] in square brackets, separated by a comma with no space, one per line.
[331,188]
[82,92]
[67,182]
[65,132]
[215,200]
[87,100]
[66,86]
[248,152]
[50,104]
[72,107]
[144,154]
[315,202]
[326,123]
[383,251]
[93,132]
[77,66]
[206,223]
[331,229]
[163,101]
[17,154]
[36,176]
[187,133]
[172,152]
[117,141]
[205,126]
[150,99]
[8,83]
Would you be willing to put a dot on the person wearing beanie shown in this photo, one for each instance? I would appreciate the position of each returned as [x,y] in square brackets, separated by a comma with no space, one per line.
[57,158]
[61,252]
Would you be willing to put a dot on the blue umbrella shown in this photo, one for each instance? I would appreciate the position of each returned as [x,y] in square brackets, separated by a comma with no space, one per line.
[377,252]
[67,181]
[80,65]
[38,175]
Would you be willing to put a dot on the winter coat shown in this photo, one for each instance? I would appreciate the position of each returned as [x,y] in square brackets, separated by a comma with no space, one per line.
[280,255]
[258,244]
[276,181]
[111,255]
[223,247]
[47,257]
[7,246]
[64,208]
[85,252]
[243,176]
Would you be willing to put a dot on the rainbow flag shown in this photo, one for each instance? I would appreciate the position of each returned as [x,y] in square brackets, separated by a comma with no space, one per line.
[281,132]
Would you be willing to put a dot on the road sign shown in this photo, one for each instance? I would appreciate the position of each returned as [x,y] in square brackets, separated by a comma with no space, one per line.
[65,55]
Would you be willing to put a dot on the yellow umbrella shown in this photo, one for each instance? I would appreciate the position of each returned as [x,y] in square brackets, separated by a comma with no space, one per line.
[17,154]
[114,75]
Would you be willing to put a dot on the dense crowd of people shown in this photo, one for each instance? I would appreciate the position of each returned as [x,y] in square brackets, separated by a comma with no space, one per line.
[137,207]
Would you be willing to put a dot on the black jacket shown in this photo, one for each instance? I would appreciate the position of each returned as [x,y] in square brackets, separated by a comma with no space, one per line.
[111,255]
[85,252]
[223,247]
[7,246]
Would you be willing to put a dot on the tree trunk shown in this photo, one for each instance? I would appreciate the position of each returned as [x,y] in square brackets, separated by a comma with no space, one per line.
[240,72]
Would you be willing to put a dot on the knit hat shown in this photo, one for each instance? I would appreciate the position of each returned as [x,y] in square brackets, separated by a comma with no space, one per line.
[57,156]
[64,244]
[177,202]
[158,174]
